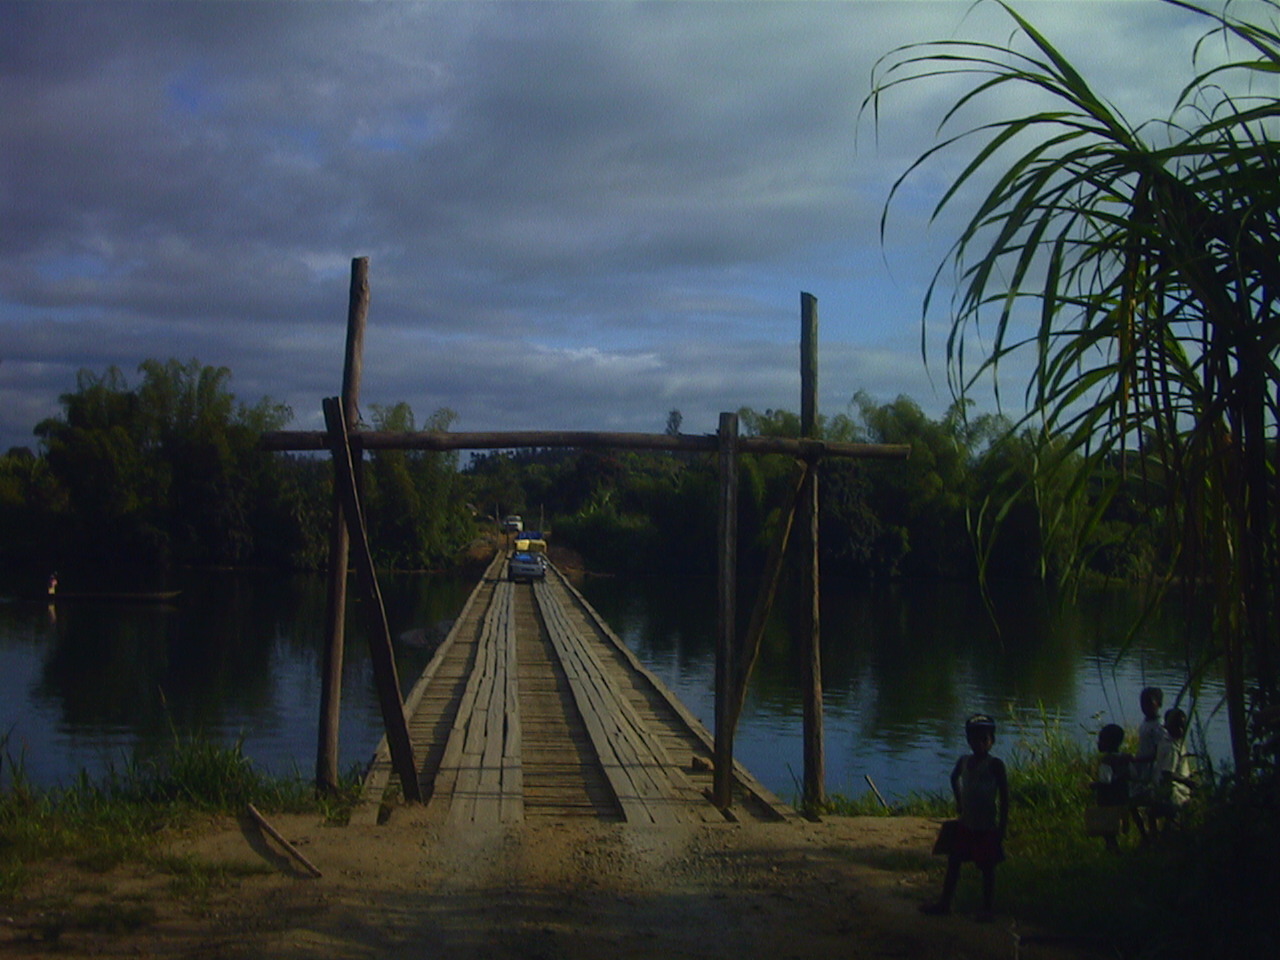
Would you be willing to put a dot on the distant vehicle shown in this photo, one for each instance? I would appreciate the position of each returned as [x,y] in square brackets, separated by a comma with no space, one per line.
[531,541]
[513,523]
[527,566]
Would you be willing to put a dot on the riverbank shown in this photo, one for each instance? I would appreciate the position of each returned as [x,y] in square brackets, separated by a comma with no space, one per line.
[153,861]
[848,886]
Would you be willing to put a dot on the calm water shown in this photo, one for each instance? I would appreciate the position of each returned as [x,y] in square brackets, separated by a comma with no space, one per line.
[237,656]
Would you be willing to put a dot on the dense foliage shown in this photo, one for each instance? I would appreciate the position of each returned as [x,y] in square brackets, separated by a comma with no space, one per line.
[656,512]
[172,472]
[1136,267]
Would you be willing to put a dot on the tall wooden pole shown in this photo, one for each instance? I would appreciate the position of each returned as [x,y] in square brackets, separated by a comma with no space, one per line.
[339,541]
[810,628]
[726,611]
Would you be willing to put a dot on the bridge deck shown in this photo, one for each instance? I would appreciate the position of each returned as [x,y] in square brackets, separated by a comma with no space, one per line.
[533,708]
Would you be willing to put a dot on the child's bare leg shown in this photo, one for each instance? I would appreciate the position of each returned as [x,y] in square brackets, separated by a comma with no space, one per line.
[988,891]
[943,903]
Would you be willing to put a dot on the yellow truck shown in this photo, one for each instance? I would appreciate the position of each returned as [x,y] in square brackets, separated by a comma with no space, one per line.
[531,541]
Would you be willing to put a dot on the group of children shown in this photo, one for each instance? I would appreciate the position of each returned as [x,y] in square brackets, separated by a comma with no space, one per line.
[1151,785]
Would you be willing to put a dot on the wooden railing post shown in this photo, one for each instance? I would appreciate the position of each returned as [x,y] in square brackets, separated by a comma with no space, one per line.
[726,611]
[380,652]
[815,789]
[339,542]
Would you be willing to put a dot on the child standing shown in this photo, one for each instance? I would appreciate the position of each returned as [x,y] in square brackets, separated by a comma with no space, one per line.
[1173,787]
[1111,789]
[981,788]
[1145,774]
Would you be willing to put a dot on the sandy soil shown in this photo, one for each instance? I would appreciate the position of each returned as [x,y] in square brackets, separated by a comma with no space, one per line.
[847,887]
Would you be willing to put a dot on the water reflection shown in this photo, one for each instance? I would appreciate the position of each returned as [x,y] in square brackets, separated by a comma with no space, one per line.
[235,656]
[904,663]
[238,656]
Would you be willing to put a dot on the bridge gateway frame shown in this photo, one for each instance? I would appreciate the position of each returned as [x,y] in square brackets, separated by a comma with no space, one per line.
[735,656]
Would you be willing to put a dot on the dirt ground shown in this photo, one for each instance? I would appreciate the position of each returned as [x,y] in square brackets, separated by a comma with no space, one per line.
[846,887]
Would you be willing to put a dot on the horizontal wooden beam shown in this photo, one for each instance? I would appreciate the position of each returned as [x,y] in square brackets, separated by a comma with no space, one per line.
[301,440]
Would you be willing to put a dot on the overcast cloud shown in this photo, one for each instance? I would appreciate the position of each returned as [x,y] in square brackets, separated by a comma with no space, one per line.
[578,215]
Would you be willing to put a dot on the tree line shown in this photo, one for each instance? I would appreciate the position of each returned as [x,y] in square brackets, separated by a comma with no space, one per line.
[171,472]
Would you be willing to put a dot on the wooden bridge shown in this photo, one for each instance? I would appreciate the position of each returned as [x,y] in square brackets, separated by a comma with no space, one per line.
[533,708]
[497,652]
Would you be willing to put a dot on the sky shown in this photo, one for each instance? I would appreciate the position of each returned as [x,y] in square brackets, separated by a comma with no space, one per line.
[578,215]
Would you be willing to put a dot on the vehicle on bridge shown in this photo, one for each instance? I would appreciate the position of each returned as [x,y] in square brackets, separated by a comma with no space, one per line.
[524,565]
[513,523]
[531,541]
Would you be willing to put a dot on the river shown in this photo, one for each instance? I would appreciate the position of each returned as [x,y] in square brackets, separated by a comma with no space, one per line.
[90,685]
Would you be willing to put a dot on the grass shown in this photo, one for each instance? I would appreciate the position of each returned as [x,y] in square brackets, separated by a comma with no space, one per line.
[1205,891]
[100,824]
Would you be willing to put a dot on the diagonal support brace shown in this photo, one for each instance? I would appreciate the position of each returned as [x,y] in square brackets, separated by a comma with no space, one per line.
[384,664]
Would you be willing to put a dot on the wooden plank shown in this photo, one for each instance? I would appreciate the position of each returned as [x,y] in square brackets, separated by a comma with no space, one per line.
[511,798]
[473,721]
[488,800]
[627,681]
[511,802]
[437,658]
[280,839]
[742,776]
[510,793]
[483,752]
[634,810]
[635,764]
[643,761]
[452,763]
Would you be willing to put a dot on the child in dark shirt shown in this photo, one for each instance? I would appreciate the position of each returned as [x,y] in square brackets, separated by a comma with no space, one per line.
[981,788]
[1111,789]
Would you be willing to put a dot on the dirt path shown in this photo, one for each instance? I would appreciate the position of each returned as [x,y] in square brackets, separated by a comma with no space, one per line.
[846,888]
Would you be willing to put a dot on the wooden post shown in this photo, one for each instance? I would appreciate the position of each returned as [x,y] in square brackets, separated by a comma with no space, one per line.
[380,652]
[810,628]
[336,602]
[726,610]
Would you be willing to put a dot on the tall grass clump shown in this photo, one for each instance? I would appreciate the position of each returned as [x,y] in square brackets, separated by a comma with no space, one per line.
[104,821]
[1203,889]
[199,773]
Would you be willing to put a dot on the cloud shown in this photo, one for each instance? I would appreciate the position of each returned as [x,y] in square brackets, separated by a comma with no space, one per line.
[621,200]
